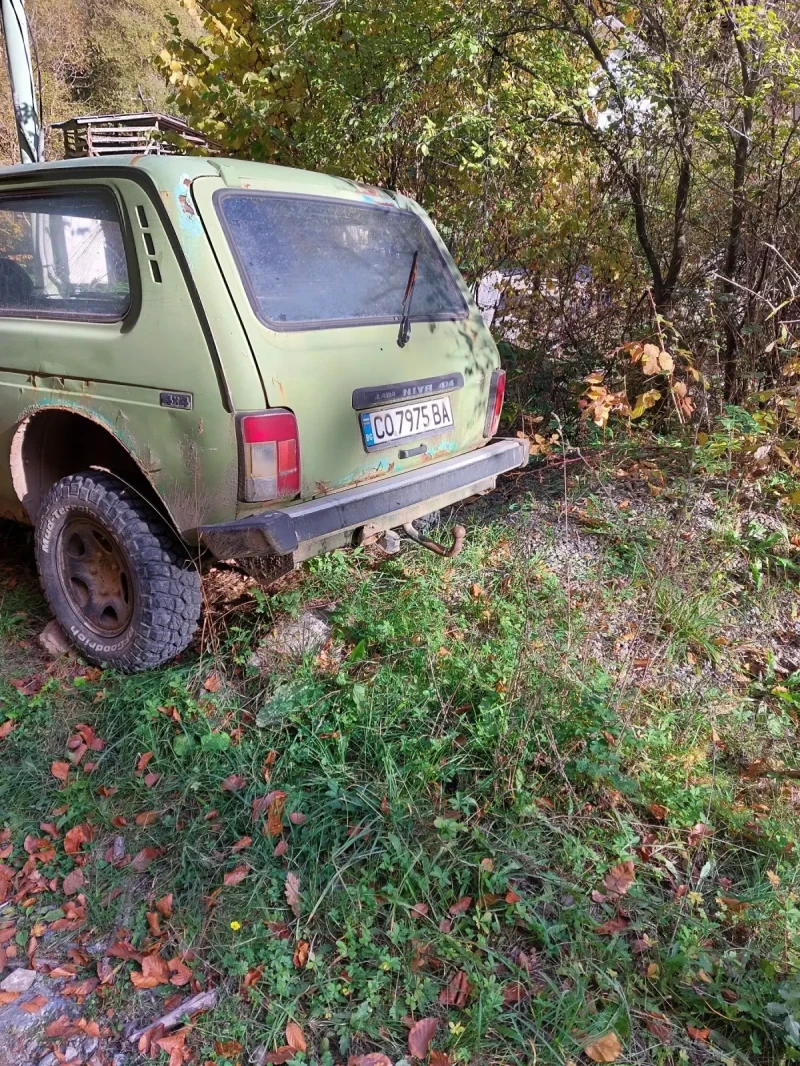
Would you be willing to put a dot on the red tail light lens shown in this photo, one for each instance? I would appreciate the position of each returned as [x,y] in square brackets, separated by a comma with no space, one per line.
[497,393]
[270,456]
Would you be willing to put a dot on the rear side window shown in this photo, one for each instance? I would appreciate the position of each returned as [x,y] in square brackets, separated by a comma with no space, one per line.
[308,263]
[62,256]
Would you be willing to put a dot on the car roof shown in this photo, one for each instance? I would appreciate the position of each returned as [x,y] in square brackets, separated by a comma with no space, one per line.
[168,171]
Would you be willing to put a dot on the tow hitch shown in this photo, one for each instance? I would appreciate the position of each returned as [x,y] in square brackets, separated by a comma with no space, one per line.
[459,535]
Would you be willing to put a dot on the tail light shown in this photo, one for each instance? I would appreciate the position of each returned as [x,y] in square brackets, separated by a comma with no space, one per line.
[497,393]
[269,456]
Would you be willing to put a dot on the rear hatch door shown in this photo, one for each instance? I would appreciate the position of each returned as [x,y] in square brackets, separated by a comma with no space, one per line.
[318,277]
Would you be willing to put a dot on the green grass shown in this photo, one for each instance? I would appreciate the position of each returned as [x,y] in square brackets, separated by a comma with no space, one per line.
[464,735]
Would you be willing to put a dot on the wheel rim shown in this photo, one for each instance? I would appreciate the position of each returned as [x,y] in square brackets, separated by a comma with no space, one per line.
[95,576]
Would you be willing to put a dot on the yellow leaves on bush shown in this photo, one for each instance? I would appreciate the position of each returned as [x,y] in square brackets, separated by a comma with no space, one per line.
[644,402]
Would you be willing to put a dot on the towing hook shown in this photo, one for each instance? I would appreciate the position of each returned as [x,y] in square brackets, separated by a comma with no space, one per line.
[459,535]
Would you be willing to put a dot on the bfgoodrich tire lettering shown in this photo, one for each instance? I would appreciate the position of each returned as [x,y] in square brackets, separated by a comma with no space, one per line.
[153,599]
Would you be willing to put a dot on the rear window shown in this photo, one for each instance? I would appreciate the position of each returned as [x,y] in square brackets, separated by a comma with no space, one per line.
[62,256]
[309,263]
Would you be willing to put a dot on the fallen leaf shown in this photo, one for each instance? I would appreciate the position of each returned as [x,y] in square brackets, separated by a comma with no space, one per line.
[296,818]
[619,878]
[513,993]
[698,833]
[154,972]
[233,877]
[142,859]
[658,811]
[773,878]
[377,1058]
[613,925]
[419,910]
[280,849]
[154,923]
[605,1049]
[74,880]
[233,783]
[164,905]
[275,815]
[6,728]
[487,864]
[181,974]
[60,770]
[174,1045]
[456,993]
[512,897]
[461,906]
[439,1058]
[213,683]
[62,1027]
[701,1035]
[8,997]
[300,957]
[75,837]
[294,1037]
[242,843]
[147,818]
[142,761]
[280,1055]
[659,1026]
[292,893]
[253,975]
[420,1036]
[33,1006]
[151,779]
[735,906]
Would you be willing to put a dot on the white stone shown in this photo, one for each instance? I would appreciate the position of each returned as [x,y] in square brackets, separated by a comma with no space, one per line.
[18,981]
[54,640]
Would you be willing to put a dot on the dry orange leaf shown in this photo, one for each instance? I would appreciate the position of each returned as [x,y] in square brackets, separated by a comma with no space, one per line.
[242,843]
[275,815]
[233,783]
[233,877]
[300,957]
[295,1038]
[142,761]
[75,837]
[164,906]
[60,770]
[605,1049]
[659,1026]
[296,818]
[377,1058]
[613,925]
[6,728]
[419,910]
[701,1035]
[455,995]
[213,683]
[439,1058]
[292,893]
[33,1006]
[173,1045]
[512,897]
[698,833]
[420,1036]
[181,974]
[461,906]
[620,878]
[147,818]
[142,859]
[154,923]
[658,811]
[280,849]
[74,880]
[8,997]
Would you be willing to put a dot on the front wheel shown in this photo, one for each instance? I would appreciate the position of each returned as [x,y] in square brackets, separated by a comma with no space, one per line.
[115,575]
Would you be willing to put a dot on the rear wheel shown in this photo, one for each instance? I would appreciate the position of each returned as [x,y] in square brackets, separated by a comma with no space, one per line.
[115,575]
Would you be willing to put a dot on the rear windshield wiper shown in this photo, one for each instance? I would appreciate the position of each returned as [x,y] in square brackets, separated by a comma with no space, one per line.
[404,333]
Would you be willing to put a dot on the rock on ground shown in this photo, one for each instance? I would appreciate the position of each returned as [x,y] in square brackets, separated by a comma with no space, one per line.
[19,980]
[54,640]
[20,1031]
[294,639]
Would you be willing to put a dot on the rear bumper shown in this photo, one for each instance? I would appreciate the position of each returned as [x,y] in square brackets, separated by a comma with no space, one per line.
[304,529]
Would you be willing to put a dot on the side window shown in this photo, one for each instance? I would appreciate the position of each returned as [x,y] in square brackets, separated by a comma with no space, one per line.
[62,256]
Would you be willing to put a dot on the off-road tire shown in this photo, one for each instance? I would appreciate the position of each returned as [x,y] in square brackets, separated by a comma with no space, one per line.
[165,596]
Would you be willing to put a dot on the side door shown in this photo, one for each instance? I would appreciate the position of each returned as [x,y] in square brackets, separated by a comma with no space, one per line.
[96,317]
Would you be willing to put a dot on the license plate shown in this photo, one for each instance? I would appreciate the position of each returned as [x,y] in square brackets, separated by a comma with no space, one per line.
[401,423]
